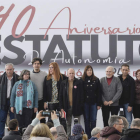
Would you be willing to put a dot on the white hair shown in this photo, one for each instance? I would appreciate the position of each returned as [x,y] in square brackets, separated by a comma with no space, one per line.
[95,131]
[112,68]
[9,64]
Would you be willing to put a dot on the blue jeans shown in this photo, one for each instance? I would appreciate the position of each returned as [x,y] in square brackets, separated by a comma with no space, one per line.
[90,115]
[127,115]
[3,116]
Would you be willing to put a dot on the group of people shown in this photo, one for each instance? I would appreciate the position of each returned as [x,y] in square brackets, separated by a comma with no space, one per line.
[36,90]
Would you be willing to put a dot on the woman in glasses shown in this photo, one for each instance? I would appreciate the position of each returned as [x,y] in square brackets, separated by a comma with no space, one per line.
[24,99]
[51,87]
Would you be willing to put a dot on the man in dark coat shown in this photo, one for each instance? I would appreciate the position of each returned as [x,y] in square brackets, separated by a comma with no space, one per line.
[128,93]
[134,132]
[14,133]
[7,81]
[114,130]
[71,98]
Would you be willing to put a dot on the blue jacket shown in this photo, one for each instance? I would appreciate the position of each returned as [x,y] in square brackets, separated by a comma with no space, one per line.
[13,94]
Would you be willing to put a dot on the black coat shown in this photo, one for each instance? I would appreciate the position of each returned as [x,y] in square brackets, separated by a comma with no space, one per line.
[92,91]
[131,134]
[78,97]
[13,135]
[47,88]
[128,93]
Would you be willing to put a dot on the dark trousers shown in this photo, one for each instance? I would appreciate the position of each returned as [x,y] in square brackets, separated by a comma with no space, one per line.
[26,118]
[3,117]
[136,110]
[40,107]
[106,110]
[54,106]
[90,115]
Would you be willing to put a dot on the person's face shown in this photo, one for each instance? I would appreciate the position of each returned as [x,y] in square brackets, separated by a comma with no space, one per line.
[36,65]
[51,69]
[9,70]
[71,74]
[138,75]
[26,76]
[119,126]
[89,72]
[125,70]
[109,72]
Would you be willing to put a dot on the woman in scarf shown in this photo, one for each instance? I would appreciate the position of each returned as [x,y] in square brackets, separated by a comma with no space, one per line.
[24,99]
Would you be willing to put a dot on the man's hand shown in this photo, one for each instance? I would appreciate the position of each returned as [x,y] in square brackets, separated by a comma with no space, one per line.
[129,109]
[39,115]
[12,109]
[106,103]
[98,107]
[53,115]
[110,102]
[45,105]
[35,110]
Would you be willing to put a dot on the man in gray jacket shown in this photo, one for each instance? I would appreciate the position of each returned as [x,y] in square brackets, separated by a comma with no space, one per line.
[112,90]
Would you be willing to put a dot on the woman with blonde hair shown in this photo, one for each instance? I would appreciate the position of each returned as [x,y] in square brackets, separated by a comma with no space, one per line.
[51,87]
[41,132]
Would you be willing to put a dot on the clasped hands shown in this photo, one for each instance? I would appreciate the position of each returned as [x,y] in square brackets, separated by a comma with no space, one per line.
[106,103]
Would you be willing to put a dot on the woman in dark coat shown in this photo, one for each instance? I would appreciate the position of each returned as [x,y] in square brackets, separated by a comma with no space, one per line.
[51,87]
[93,98]
[136,107]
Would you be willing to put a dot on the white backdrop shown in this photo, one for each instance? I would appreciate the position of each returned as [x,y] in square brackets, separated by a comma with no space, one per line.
[106,15]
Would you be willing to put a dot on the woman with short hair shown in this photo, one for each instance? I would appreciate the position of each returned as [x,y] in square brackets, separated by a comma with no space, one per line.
[24,99]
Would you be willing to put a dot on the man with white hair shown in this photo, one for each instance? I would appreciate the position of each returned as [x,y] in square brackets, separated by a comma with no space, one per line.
[7,81]
[112,90]
[71,98]
[95,133]
[134,132]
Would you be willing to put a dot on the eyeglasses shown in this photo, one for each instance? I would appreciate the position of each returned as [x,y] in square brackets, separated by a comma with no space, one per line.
[120,124]
[50,67]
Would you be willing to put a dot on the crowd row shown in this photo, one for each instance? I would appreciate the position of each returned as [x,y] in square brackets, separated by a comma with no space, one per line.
[36,90]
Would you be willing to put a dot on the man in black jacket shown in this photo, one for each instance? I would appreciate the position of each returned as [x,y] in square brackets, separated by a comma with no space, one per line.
[134,132]
[71,98]
[128,93]
[7,81]
[14,133]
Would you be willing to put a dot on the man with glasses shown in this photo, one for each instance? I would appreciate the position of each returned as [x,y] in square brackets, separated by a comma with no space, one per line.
[114,130]
[112,90]
[37,76]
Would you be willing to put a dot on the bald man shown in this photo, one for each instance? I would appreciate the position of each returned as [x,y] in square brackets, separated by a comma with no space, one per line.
[112,90]
[71,98]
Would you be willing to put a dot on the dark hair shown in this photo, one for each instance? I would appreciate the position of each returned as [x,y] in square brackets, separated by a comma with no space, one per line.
[13,124]
[23,73]
[137,72]
[125,65]
[37,59]
[93,77]
[50,124]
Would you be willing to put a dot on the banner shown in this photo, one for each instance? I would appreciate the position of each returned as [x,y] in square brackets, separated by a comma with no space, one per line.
[73,33]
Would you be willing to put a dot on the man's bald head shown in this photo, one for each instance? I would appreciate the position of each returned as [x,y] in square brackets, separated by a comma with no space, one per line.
[54,132]
[71,73]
